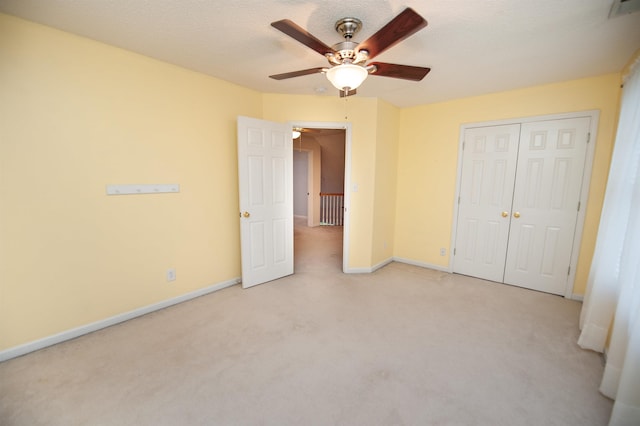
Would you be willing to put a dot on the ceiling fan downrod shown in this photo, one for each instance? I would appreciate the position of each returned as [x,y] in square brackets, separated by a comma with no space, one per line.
[345,51]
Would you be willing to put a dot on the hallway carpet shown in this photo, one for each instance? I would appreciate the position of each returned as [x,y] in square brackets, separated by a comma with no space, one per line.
[402,346]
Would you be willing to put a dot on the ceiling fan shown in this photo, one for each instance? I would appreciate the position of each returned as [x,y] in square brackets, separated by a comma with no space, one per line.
[348,59]
[297,131]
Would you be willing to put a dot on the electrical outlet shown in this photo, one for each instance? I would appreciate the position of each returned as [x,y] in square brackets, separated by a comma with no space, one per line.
[443,251]
[171,274]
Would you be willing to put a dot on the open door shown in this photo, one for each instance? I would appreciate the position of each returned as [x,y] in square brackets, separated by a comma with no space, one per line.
[265,175]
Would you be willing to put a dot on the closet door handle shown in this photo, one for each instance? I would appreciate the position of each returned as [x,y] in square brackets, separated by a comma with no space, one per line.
[516,215]
[505,214]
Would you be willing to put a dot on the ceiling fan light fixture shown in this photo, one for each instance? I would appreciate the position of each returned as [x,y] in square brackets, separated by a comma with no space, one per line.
[347,76]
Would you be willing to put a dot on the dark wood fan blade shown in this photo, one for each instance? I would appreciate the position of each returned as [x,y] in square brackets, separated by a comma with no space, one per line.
[405,72]
[344,94]
[296,73]
[399,28]
[298,33]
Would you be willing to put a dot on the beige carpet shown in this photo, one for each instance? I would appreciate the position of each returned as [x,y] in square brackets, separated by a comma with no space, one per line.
[402,346]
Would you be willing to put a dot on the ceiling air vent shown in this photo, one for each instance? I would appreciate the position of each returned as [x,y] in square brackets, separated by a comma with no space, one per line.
[622,7]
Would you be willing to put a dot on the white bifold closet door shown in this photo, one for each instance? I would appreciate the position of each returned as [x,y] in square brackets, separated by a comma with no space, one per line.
[519,200]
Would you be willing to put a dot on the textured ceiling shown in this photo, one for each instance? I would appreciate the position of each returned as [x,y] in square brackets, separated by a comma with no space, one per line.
[473,46]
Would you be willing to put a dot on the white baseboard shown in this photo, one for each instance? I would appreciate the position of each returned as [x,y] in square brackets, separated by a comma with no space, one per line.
[107,322]
[381,264]
[395,259]
[578,297]
[368,270]
[358,270]
[421,264]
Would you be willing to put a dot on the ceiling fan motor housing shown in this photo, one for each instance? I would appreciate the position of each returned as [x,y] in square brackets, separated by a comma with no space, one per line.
[345,52]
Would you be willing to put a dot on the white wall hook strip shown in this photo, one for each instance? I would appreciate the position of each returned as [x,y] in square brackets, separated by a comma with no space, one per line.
[142,189]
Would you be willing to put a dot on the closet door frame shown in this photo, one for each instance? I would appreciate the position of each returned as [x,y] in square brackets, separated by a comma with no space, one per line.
[594,115]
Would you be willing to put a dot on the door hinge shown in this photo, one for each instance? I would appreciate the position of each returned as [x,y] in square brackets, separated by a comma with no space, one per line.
[454,251]
[458,199]
[588,137]
[569,270]
[579,204]
[463,144]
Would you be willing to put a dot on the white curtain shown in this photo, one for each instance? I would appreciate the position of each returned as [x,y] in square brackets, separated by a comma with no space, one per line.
[613,289]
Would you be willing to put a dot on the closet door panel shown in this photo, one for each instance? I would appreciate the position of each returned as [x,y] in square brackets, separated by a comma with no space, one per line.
[488,171]
[545,203]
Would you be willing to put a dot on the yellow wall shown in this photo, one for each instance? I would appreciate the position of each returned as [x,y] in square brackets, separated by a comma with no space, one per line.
[75,116]
[427,163]
[386,162]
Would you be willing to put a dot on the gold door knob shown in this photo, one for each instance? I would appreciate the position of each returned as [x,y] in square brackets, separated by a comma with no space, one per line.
[516,215]
[246,214]
[505,214]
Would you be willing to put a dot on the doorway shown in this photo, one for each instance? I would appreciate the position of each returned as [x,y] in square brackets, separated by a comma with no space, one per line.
[322,160]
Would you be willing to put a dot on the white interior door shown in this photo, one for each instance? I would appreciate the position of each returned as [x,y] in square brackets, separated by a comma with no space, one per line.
[545,203]
[265,175]
[484,207]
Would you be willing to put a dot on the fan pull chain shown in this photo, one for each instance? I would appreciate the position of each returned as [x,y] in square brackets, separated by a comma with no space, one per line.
[346,112]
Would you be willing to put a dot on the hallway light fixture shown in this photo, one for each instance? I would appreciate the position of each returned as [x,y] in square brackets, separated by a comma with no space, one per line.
[295,134]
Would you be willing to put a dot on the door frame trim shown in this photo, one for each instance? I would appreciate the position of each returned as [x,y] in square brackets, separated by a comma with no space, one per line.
[347,177]
[584,192]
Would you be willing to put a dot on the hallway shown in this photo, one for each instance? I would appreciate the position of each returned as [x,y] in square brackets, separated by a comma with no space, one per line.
[317,248]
